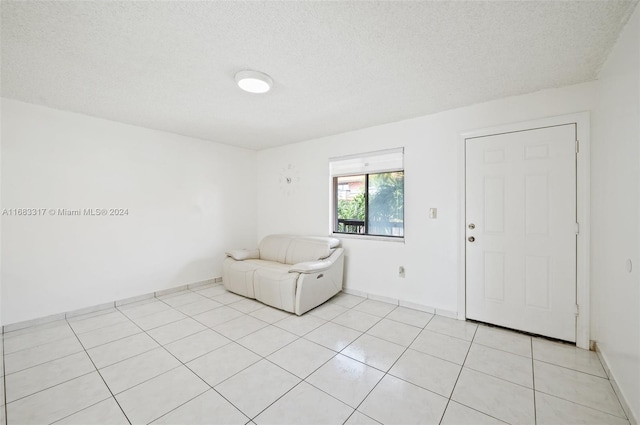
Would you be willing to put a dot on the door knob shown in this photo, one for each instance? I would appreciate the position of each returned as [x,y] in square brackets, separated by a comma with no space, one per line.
[471,239]
[472,226]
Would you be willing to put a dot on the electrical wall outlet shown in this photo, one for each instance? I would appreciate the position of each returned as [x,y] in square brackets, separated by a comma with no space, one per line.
[401,271]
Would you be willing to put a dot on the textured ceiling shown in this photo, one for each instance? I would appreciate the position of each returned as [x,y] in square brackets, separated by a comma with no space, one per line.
[337,66]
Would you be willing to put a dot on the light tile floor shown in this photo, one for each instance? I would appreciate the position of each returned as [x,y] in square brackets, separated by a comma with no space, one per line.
[207,356]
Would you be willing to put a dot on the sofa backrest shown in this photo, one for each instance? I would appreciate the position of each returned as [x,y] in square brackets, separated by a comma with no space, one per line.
[274,247]
[289,249]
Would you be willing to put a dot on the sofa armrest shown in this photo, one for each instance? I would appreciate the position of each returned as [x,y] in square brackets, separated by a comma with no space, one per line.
[243,254]
[318,265]
[311,266]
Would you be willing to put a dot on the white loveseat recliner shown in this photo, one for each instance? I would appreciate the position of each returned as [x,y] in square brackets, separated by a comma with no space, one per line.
[292,273]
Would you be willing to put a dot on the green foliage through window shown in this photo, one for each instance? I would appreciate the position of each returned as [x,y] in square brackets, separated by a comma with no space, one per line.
[370,204]
[352,209]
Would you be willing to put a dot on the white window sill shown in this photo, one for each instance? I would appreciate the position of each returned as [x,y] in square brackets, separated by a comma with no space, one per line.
[368,237]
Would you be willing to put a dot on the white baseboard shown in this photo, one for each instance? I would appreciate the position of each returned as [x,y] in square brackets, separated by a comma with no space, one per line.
[402,303]
[135,299]
[355,292]
[418,307]
[380,298]
[170,291]
[204,283]
[88,310]
[623,401]
[33,322]
[96,308]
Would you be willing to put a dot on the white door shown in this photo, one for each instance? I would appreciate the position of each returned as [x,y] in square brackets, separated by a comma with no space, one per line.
[521,230]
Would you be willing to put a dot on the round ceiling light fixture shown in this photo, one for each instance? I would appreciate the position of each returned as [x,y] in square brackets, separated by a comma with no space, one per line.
[254,81]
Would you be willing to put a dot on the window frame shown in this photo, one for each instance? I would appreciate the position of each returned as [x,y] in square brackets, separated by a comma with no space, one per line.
[366,234]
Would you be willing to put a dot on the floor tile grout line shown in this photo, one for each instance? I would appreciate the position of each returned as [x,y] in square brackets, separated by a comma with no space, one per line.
[257,361]
[360,361]
[146,314]
[382,339]
[34,346]
[532,357]
[47,325]
[502,351]
[177,307]
[109,342]
[52,386]
[570,368]
[458,377]
[378,321]
[4,384]
[199,395]
[71,324]
[32,329]
[91,315]
[221,323]
[164,324]
[336,353]
[207,328]
[363,414]
[44,363]
[128,358]
[533,384]
[47,388]
[147,380]
[301,381]
[584,405]
[268,360]
[82,410]
[278,349]
[385,373]
[192,334]
[624,411]
[275,401]
[473,341]
[327,321]
[192,371]
[304,334]
[166,371]
[446,334]
[479,411]
[208,352]
[484,373]
[213,388]
[101,377]
[497,377]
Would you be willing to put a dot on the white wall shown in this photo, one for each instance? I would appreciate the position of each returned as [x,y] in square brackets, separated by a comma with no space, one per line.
[188,201]
[433,164]
[615,213]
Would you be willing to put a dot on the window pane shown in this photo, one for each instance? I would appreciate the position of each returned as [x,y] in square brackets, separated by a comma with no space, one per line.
[386,204]
[351,199]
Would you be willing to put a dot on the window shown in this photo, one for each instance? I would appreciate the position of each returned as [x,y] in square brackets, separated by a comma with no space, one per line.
[368,194]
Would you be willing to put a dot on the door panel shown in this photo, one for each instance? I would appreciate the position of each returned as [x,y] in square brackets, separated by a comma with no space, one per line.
[521,199]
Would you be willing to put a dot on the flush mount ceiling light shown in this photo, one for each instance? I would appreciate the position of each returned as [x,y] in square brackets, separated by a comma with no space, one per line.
[254,81]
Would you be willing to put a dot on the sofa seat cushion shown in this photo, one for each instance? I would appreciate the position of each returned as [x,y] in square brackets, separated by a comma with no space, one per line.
[276,287]
[264,264]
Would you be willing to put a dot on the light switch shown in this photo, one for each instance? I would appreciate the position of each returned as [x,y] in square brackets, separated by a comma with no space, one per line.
[433,213]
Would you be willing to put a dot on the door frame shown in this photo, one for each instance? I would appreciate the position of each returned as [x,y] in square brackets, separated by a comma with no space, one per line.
[582,121]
